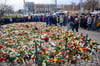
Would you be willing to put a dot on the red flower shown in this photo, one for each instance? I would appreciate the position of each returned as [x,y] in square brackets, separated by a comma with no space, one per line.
[32,47]
[32,58]
[43,49]
[82,39]
[1,46]
[19,38]
[61,45]
[1,59]
[63,52]
[90,45]
[47,48]
[17,60]
[42,53]
[58,61]
[85,49]
[21,34]
[58,50]
[50,60]
[10,42]
[10,39]
[74,52]
[40,44]
[52,33]
[29,40]
[63,61]
[71,46]
[28,60]
[56,45]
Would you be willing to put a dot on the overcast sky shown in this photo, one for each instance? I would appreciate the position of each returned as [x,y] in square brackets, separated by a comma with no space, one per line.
[18,4]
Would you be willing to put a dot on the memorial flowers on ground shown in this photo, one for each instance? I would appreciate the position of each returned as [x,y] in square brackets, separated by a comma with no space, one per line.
[54,45]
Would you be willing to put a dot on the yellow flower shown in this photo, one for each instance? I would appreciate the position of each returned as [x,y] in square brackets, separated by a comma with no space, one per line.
[88,58]
[47,52]
[54,52]
[55,60]
[81,50]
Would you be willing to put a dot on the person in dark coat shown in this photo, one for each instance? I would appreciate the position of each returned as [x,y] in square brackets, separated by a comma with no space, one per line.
[50,19]
[76,24]
[47,20]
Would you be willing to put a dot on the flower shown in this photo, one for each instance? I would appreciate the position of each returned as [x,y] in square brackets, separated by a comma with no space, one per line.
[20,41]
[63,61]
[1,59]
[58,61]
[1,46]
[55,60]
[50,60]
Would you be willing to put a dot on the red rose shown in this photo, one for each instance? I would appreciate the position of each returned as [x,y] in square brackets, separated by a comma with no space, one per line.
[17,60]
[52,33]
[63,52]
[58,50]
[10,42]
[10,39]
[1,46]
[61,45]
[43,49]
[85,49]
[50,60]
[32,47]
[74,52]
[32,58]
[58,61]
[82,39]
[42,53]
[28,60]
[90,45]
[21,34]
[47,48]
[63,61]
[1,59]
[40,44]
[28,39]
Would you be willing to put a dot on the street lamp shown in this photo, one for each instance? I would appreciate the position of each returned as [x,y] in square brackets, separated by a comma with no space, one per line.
[24,7]
[56,4]
[81,8]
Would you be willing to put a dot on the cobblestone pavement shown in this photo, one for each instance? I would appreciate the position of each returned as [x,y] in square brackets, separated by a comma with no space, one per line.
[95,59]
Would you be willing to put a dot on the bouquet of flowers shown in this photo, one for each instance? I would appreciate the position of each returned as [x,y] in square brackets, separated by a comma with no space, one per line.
[54,45]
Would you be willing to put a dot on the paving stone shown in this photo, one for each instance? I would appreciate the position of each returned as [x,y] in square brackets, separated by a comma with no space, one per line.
[77,64]
[89,61]
[72,64]
[88,64]
[93,64]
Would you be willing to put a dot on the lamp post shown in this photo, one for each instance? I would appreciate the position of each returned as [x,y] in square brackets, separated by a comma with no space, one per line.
[81,8]
[24,7]
[56,4]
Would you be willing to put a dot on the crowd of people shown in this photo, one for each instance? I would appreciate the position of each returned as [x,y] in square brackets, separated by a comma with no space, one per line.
[73,22]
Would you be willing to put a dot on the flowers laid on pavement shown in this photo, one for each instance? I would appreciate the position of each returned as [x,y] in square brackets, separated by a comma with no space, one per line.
[17,44]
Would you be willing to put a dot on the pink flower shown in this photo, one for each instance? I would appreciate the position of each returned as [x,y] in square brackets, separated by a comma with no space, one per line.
[67,56]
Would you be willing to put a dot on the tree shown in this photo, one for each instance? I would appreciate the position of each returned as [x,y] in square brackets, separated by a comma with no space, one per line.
[5,9]
[92,4]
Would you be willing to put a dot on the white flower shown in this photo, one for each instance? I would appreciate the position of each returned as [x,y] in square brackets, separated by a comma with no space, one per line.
[78,57]
[98,46]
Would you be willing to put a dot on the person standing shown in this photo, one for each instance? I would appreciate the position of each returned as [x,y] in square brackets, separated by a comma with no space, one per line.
[47,20]
[76,24]
[61,20]
[94,23]
[89,22]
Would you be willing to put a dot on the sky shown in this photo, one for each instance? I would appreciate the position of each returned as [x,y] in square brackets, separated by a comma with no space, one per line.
[18,4]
